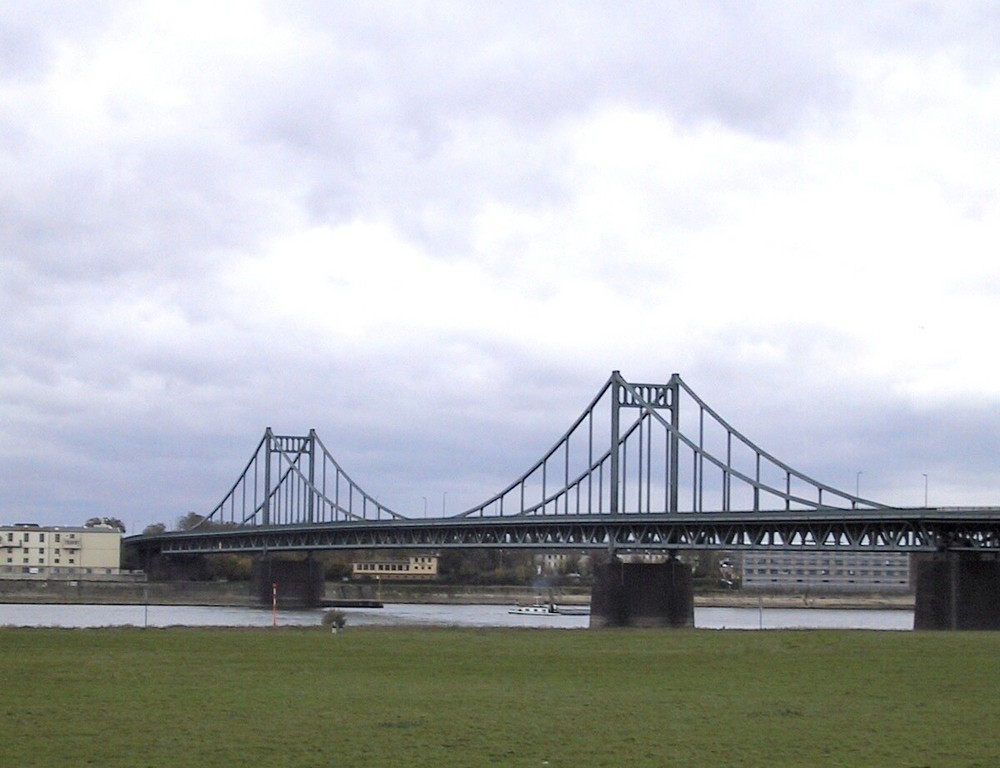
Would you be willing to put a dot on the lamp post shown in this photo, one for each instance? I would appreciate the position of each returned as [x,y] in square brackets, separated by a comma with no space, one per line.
[857,484]
[425,506]
[444,499]
[925,490]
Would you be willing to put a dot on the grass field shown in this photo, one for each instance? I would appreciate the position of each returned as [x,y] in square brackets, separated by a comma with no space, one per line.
[449,697]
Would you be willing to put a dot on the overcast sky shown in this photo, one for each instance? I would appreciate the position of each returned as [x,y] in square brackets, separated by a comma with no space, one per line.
[430,231]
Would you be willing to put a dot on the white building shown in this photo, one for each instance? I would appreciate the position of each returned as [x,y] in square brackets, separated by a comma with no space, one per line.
[561,563]
[58,552]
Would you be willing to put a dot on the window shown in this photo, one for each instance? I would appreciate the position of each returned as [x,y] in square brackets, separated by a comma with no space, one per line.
[58,535]
[41,537]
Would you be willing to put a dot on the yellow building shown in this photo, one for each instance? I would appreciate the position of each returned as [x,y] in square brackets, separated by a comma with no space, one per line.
[421,567]
[59,552]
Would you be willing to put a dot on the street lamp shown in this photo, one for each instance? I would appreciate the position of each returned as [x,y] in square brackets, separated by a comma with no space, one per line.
[425,506]
[444,498]
[857,484]
[925,490]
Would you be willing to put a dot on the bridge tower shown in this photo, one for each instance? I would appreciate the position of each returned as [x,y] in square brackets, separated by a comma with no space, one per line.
[643,594]
[294,582]
[664,397]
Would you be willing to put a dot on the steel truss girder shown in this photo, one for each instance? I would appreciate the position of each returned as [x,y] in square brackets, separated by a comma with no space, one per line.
[893,530]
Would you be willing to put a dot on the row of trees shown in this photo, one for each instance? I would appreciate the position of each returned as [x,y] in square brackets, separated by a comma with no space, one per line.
[185,523]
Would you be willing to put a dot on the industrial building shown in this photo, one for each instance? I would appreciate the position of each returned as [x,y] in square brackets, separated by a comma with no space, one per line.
[826,570]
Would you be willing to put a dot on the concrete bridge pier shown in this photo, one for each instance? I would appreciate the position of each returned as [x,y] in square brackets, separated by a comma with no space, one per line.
[642,594]
[958,590]
[299,583]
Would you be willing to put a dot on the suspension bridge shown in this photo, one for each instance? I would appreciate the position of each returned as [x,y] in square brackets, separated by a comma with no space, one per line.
[644,468]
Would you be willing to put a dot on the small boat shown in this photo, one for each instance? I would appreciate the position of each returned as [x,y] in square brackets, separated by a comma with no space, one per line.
[536,609]
[550,609]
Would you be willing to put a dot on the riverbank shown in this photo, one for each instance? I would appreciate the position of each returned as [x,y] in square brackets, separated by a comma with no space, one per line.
[237,594]
[73,592]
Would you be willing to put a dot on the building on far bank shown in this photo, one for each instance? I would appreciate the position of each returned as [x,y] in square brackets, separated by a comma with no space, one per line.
[826,570]
[561,563]
[418,568]
[28,550]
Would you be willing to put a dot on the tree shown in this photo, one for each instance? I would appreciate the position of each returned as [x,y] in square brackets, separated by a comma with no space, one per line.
[189,521]
[105,522]
[154,529]
[482,566]
[570,564]
[229,567]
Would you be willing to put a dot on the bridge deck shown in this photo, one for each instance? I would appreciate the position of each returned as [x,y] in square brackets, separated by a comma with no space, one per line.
[886,529]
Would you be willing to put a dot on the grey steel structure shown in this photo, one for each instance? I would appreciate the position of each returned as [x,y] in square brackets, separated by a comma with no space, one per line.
[645,467]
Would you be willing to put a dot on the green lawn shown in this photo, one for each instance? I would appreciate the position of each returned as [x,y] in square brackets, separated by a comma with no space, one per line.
[451,697]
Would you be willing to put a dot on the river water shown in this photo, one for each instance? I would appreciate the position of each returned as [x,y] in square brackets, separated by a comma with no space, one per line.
[39,615]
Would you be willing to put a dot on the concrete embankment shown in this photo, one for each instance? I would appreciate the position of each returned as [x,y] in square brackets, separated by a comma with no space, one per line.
[125,593]
[898,601]
[449,594]
[239,594]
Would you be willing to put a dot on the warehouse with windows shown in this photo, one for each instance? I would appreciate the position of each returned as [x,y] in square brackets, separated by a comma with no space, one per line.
[826,570]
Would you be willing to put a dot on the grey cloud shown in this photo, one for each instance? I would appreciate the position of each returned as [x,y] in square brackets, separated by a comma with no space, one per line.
[415,115]
[531,62]
[382,103]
